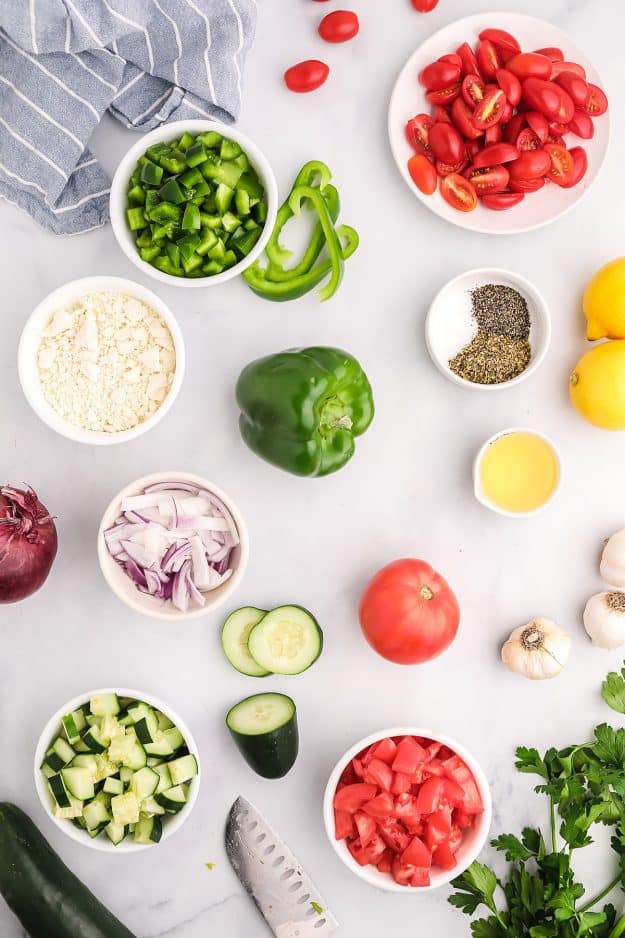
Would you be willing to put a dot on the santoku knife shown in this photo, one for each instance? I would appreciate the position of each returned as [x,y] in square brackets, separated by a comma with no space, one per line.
[285,896]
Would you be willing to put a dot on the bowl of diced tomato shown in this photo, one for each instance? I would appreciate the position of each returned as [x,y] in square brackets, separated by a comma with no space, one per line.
[407,809]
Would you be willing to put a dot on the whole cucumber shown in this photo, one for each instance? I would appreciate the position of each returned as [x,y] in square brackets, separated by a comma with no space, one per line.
[48,899]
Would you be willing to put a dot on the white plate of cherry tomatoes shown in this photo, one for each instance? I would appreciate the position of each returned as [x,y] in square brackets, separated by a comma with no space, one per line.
[499,123]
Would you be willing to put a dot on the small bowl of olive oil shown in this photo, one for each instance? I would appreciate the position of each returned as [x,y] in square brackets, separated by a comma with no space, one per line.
[516,472]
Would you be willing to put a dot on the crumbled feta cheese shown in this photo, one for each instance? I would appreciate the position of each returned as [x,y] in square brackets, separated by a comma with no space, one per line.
[106,361]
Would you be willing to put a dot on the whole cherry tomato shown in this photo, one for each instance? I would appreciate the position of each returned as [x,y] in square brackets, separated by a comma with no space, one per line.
[582,125]
[306,76]
[531,164]
[575,86]
[496,154]
[510,85]
[408,612]
[339,26]
[418,133]
[439,75]
[424,6]
[462,117]
[490,110]
[458,192]
[473,90]
[500,201]
[422,173]
[530,65]
[467,57]
[598,103]
[487,179]
[447,144]
[580,165]
[488,59]
[503,40]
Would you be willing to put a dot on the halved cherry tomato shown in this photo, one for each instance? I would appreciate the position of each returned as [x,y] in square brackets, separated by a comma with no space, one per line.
[496,154]
[448,169]
[508,111]
[445,95]
[452,57]
[417,854]
[560,67]
[381,806]
[490,110]
[562,168]
[410,755]
[580,165]
[582,125]
[441,114]
[469,62]
[556,129]
[424,6]
[528,140]
[552,52]
[538,123]
[576,87]
[598,103]
[530,65]
[339,26]
[488,59]
[510,85]
[566,108]
[501,201]
[542,96]
[492,135]
[462,117]
[422,173]
[526,185]
[473,89]
[489,179]
[514,127]
[366,827]
[447,144]
[439,75]
[532,164]
[474,147]
[306,76]
[352,797]
[501,39]
[458,192]
[418,133]
[556,138]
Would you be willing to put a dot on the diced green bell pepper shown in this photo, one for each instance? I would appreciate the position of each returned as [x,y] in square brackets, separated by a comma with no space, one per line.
[191,218]
[229,149]
[136,218]
[196,154]
[151,174]
[173,162]
[171,192]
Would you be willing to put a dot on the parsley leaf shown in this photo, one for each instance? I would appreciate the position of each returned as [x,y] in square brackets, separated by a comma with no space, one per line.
[476,887]
[528,760]
[512,847]
[613,690]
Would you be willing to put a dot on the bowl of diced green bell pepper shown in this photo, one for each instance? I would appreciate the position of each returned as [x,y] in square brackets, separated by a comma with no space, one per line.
[193,203]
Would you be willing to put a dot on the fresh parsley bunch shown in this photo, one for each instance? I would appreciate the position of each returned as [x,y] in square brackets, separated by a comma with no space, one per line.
[585,785]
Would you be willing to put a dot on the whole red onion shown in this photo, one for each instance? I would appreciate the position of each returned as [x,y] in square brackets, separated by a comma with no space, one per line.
[28,543]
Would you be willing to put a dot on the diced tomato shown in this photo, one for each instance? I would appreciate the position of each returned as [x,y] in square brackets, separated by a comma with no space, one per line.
[386,863]
[463,820]
[409,756]
[438,827]
[379,807]
[394,835]
[455,838]
[453,792]
[405,810]
[379,773]
[358,852]
[367,754]
[366,827]
[401,783]
[456,770]
[385,750]
[417,854]
[374,850]
[432,750]
[429,796]
[352,797]
[444,857]
[472,803]
[358,769]
[420,878]
[343,825]
[402,874]
[434,766]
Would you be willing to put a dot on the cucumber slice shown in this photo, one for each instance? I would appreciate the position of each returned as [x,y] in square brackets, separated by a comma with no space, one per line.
[182,770]
[78,781]
[264,728]
[287,640]
[104,705]
[148,830]
[59,791]
[234,639]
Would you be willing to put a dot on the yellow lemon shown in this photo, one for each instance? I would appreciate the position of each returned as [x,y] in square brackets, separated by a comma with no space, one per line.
[604,302]
[597,385]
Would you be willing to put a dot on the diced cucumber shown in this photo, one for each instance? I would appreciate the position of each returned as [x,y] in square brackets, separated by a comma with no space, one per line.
[92,720]
[74,810]
[183,769]
[172,799]
[148,830]
[109,728]
[165,781]
[113,786]
[150,806]
[127,750]
[138,709]
[174,737]
[46,771]
[116,832]
[287,640]
[73,724]
[104,705]
[96,815]
[147,727]
[160,747]
[59,791]
[93,740]
[164,723]
[125,808]
[126,774]
[86,761]
[78,781]
[59,754]
[234,638]
[144,783]
[104,767]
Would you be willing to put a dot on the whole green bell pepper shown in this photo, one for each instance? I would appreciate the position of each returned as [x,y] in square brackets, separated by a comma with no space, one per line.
[301,409]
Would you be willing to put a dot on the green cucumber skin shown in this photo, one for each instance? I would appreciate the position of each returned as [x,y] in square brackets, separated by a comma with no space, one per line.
[48,899]
[273,754]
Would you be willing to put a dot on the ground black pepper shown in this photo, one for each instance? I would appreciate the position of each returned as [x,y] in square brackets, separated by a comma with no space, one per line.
[500,310]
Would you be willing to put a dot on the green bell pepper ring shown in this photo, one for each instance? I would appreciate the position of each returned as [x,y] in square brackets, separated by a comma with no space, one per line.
[333,243]
[316,245]
[308,174]
[302,409]
[295,287]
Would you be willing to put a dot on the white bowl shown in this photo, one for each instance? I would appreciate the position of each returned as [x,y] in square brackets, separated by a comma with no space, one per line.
[124,587]
[473,840]
[29,344]
[477,485]
[408,98]
[124,171]
[171,822]
[449,325]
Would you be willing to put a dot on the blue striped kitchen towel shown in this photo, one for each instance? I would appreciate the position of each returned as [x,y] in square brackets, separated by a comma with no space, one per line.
[63,63]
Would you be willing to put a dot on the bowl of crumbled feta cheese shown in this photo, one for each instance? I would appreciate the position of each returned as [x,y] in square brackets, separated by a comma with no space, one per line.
[101,360]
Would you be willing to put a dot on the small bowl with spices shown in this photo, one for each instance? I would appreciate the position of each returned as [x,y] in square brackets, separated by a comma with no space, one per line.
[101,360]
[488,329]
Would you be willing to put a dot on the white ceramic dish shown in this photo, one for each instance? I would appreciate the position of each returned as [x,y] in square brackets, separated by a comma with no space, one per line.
[126,167]
[124,587]
[477,486]
[29,344]
[171,823]
[449,324]
[471,844]
[408,98]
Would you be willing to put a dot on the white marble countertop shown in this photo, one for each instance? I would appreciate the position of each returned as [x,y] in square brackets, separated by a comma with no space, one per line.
[406,492]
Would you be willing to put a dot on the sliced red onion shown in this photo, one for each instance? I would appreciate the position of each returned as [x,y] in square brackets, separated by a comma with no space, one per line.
[175,541]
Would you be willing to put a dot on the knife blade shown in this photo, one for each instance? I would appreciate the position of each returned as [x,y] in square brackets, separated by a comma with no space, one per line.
[284,894]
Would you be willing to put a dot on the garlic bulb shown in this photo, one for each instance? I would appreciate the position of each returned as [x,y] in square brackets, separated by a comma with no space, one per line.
[612,567]
[604,619]
[537,650]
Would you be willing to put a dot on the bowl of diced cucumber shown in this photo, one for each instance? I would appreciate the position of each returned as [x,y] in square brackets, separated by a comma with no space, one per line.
[117,770]
[193,203]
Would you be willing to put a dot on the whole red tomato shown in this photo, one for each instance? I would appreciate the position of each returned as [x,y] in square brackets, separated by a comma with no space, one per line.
[424,6]
[408,613]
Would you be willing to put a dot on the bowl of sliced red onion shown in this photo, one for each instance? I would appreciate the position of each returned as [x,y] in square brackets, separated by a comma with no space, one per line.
[173,546]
